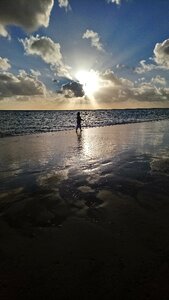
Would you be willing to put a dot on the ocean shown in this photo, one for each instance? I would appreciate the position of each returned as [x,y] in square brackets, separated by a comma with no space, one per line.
[30,122]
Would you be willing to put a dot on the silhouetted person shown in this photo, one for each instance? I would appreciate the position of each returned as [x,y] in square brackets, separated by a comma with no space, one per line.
[79,119]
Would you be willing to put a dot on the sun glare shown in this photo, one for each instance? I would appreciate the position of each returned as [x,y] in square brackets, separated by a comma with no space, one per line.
[89,80]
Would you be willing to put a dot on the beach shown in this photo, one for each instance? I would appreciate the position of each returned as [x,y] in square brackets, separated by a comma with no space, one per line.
[85,216]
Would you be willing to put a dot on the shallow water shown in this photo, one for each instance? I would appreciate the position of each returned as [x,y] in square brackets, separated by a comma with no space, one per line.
[28,122]
[46,178]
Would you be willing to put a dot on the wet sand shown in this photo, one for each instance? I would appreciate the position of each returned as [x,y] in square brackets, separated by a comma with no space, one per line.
[86,216]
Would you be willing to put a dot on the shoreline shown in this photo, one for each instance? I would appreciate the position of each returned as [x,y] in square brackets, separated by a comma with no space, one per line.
[83,128]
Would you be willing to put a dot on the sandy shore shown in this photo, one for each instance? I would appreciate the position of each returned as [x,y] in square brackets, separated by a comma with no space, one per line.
[84,217]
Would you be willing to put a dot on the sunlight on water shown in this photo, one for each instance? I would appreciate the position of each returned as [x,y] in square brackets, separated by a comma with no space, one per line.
[28,122]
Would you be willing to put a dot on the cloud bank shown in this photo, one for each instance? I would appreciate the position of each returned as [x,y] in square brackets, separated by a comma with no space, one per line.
[117,92]
[116,89]
[95,39]
[22,84]
[49,51]
[113,91]
[30,15]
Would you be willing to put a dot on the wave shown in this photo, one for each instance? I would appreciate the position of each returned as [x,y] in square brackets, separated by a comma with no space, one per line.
[14,123]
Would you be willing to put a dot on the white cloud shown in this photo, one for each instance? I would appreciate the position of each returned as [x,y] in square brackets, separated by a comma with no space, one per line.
[95,39]
[161,52]
[161,59]
[64,3]
[35,73]
[158,80]
[43,47]
[22,84]
[3,31]
[109,77]
[146,67]
[4,64]
[114,1]
[29,15]
[49,51]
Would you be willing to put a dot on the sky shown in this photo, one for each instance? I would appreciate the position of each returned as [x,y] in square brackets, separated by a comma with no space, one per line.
[84,54]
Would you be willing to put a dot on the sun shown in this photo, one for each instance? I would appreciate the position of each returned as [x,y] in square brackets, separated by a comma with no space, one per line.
[89,80]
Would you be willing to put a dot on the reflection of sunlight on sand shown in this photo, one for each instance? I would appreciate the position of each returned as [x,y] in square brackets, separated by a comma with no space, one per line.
[149,139]
[93,145]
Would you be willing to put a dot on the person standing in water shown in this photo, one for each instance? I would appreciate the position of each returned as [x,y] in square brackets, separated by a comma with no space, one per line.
[79,119]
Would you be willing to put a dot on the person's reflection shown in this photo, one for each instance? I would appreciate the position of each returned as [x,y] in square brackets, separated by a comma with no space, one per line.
[79,141]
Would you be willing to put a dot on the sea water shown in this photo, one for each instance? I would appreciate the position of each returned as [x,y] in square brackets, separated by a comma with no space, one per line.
[29,122]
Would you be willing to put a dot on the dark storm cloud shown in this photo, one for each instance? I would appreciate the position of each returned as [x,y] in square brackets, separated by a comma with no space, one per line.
[72,89]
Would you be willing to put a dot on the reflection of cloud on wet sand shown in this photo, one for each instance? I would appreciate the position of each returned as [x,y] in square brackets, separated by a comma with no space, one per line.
[104,195]
[86,189]
[108,164]
[11,196]
[52,179]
